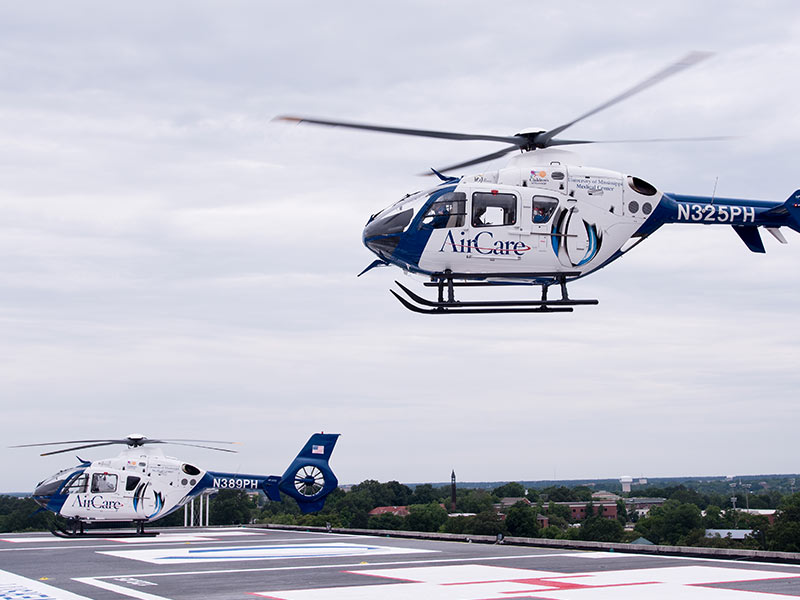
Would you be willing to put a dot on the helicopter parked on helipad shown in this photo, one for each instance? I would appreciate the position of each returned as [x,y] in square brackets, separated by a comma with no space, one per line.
[142,485]
[544,219]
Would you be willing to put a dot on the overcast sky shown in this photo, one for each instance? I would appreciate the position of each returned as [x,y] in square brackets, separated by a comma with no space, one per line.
[174,263]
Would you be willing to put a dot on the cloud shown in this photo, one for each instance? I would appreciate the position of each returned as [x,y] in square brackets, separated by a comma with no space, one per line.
[174,262]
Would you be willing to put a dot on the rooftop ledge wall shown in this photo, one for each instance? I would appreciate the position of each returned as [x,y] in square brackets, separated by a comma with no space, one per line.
[686,551]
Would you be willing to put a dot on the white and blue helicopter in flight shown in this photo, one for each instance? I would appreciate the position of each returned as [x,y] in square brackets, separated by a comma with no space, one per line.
[544,219]
[142,485]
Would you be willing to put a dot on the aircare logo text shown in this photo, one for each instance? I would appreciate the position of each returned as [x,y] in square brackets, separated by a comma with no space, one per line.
[483,243]
[96,503]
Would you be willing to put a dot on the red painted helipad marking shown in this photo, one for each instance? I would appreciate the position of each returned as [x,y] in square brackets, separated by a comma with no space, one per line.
[482,582]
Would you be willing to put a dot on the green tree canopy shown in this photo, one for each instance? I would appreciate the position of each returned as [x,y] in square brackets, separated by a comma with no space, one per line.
[425,517]
[475,501]
[386,521]
[669,523]
[424,494]
[622,512]
[231,507]
[600,529]
[21,514]
[488,522]
[559,494]
[784,535]
[510,490]
[521,520]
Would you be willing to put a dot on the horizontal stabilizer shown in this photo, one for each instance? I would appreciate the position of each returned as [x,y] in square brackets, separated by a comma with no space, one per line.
[750,237]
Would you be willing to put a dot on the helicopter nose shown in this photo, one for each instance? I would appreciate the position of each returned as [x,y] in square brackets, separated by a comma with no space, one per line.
[41,500]
[382,245]
[41,495]
[46,489]
[382,235]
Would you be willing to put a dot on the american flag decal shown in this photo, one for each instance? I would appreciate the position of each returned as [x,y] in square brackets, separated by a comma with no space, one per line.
[317,449]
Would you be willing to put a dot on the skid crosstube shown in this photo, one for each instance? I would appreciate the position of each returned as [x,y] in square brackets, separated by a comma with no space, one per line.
[417,303]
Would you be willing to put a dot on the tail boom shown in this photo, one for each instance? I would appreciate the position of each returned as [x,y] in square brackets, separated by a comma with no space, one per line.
[309,478]
[745,216]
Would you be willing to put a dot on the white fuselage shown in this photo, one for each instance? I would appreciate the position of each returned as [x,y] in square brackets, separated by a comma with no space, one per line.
[137,485]
[537,215]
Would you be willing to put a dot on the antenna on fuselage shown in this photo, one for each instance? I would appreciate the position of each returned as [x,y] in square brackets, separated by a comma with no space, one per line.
[714,192]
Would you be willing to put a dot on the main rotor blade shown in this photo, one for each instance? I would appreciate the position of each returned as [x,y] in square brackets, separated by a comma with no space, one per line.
[171,440]
[716,138]
[480,159]
[446,135]
[687,61]
[77,448]
[206,447]
[123,441]
[62,443]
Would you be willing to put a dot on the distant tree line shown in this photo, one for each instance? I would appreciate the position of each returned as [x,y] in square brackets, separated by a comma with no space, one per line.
[23,514]
[681,520]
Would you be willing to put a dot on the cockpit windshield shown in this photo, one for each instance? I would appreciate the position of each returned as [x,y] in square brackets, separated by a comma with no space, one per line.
[397,217]
[53,484]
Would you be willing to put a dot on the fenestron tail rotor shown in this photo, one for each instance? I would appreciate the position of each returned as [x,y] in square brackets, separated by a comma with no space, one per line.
[133,440]
[531,139]
[309,480]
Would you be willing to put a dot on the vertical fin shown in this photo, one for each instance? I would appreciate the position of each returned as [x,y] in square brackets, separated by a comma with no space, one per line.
[309,479]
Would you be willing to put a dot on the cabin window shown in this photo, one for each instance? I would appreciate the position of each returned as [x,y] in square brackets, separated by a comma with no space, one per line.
[103,483]
[543,208]
[77,485]
[448,210]
[131,483]
[490,209]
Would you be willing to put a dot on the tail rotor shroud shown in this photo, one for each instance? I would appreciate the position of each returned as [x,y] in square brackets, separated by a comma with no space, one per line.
[309,479]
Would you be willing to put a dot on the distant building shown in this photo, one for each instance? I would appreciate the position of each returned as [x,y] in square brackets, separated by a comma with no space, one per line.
[400,511]
[734,534]
[762,512]
[543,521]
[604,496]
[507,502]
[641,541]
[642,506]
[607,510]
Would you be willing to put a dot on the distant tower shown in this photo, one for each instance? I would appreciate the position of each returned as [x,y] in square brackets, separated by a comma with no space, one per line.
[453,491]
[626,481]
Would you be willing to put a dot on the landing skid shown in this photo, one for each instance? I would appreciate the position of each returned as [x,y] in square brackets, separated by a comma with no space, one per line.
[76,530]
[442,281]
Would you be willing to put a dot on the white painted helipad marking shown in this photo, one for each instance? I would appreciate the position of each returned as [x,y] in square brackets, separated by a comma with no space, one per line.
[202,536]
[608,555]
[482,582]
[15,587]
[166,538]
[119,589]
[161,556]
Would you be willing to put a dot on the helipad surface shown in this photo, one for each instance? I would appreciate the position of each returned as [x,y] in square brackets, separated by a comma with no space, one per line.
[240,563]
